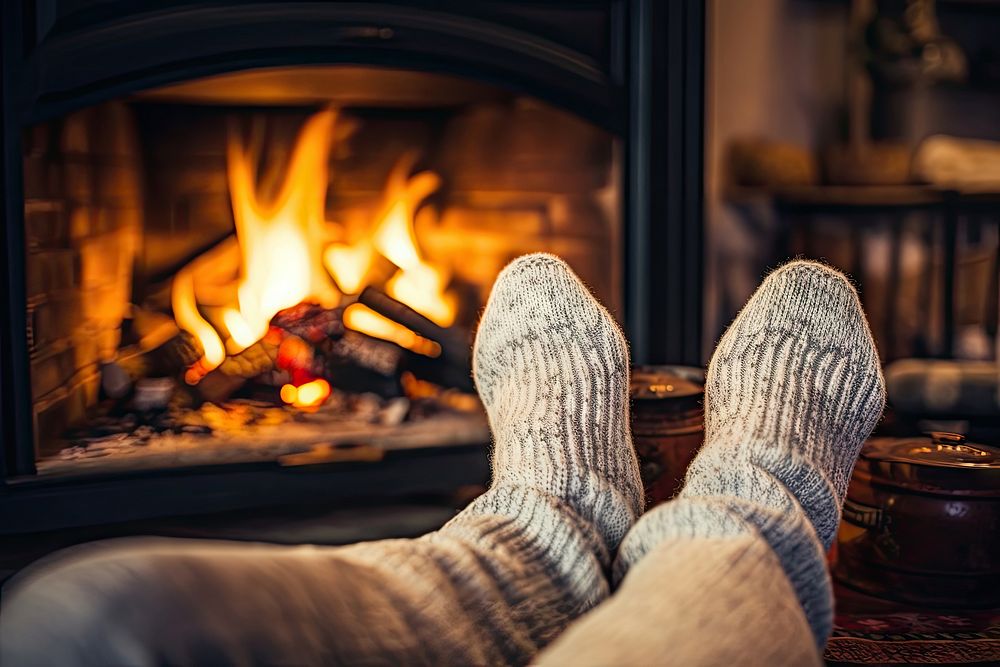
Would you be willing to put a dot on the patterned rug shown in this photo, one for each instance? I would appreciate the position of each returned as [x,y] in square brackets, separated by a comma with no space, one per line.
[868,631]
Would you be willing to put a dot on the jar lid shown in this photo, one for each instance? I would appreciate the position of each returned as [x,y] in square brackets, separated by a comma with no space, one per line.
[939,462]
[666,382]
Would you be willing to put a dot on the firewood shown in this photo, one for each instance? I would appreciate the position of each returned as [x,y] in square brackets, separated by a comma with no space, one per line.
[217,386]
[311,322]
[454,346]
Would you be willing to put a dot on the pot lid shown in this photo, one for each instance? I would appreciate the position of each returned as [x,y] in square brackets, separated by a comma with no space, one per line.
[939,462]
[666,382]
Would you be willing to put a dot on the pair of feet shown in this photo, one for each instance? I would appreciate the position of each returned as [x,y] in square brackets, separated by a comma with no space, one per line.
[792,391]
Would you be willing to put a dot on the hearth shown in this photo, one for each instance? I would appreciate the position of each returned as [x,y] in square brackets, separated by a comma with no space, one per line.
[248,243]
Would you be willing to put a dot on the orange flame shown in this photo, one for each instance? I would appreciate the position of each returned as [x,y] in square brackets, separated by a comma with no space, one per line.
[422,289]
[349,265]
[187,316]
[417,284]
[284,258]
[282,240]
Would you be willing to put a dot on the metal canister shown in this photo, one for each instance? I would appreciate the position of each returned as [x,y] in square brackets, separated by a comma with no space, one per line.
[921,522]
[667,425]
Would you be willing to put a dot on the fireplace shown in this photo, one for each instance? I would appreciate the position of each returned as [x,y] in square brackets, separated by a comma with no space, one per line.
[245,267]
[248,243]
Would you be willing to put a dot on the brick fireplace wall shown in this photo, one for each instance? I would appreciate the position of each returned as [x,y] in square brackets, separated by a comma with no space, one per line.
[82,212]
[525,177]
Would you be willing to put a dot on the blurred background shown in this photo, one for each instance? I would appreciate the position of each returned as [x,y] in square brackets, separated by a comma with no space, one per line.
[862,133]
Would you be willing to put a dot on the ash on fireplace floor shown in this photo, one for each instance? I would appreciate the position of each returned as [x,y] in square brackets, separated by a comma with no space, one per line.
[247,431]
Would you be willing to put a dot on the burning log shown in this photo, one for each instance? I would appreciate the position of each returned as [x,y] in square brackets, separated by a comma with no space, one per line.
[367,352]
[315,344]
[453,367]
[283,284]
[311,322]
[218,386]
[454,346]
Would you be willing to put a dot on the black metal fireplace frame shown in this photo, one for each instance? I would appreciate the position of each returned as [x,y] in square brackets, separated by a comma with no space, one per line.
[642,81]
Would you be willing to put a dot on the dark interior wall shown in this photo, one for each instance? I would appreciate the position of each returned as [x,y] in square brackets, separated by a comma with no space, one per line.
[778,71]
[963,109]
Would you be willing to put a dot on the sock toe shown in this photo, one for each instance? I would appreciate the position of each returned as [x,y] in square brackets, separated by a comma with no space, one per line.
[810,296]
[538,301]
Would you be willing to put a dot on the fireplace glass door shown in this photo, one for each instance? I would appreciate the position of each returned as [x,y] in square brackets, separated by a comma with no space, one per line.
[287,264]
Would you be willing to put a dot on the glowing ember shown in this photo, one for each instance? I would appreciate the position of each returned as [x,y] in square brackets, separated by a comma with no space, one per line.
[307,395]
[289,393]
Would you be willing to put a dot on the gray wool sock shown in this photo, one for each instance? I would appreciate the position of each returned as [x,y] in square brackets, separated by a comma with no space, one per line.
[552,369]
[792,391]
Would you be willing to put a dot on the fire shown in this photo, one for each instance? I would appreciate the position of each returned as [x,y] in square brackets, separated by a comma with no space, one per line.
[359,317]
[417,284]
[187,316]
[422,288]
[282,240]
[282,257]
[349,265]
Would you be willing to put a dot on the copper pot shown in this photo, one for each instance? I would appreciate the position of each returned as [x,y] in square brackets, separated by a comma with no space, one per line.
[921,522]
[667,425]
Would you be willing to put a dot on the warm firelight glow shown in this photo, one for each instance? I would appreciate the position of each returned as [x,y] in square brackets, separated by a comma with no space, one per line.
[187,316]
[417,284]
[307,395]
[243,336]
[282,240]
[349,264]
[285,258]
[359,317]
[395,237]
[422,289]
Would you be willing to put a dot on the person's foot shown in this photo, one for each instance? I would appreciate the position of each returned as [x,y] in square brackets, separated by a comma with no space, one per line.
[792,391]
[552,369]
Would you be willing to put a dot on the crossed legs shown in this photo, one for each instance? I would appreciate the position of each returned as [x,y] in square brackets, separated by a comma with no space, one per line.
[791,393]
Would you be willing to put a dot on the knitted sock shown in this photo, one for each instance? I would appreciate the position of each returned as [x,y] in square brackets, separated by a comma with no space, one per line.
[552,369]
[493,586]
[793,390]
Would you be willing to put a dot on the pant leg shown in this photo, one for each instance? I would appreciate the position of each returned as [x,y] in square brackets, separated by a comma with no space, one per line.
[695,602]
[492,587]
